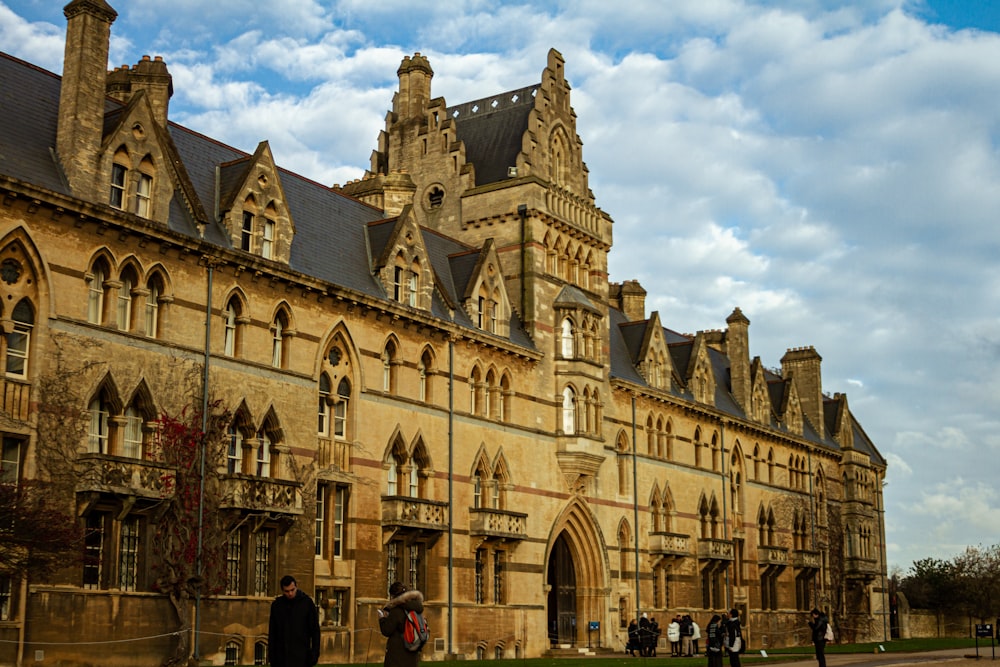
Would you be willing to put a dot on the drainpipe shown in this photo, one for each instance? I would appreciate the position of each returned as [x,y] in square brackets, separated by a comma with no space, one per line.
[451,484]
[725,522]
[203,454]
[522,210]
[635,509]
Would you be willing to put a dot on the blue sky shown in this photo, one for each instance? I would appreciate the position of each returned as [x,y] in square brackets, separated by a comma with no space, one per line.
[832,168]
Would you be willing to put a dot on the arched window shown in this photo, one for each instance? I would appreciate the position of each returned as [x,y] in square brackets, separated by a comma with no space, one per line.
[424,369]
[279,334]
[231,327]
[340,409]
[504,399]
[232,652]
[132,444]
[263,463]
[234,450]
[98,440]
[488,391]
[119,179]
[568,410]
[144,189]
[19,339]
[566,339]
[389,367]
[413,283]
[325,399]
[124,318]
[475,391]
[96,290]
[154,290]
[624,541]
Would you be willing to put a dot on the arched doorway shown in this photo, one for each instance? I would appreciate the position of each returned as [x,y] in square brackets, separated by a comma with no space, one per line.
[562,594]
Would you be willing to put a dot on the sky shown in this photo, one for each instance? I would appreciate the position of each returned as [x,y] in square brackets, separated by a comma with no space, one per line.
[831,168]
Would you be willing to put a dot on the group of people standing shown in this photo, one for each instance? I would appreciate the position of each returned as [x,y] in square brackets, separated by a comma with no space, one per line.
[643,637]
[684,635]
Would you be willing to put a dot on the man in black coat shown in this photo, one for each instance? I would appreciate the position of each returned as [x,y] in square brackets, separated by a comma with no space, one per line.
[819,624]
[293,629]
[734,638]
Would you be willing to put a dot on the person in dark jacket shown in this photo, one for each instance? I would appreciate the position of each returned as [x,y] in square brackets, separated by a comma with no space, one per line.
[392,621]
[713,641]
[633,639]
[819,624]
[293,628]
[734,638]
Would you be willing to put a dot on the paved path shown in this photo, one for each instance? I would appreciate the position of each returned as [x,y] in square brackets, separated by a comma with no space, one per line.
[952,656]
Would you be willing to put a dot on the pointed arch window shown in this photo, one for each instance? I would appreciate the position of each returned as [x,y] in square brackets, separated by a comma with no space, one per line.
[392,476]
[234,450]
[19,339]
[424,368]
[267,240]
[340,409]
[413,283]
[503,399]
[232,327]
[325,399]
[389,367]
[99,437]
[119,178]
[566,339]
[568,410]
[96,290]
[132,442]
[125,301]
[144,195]
[154,290]
[263,463]
[280,335]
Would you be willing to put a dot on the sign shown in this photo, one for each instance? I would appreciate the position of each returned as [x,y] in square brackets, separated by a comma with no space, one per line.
[984,629]
[595,625]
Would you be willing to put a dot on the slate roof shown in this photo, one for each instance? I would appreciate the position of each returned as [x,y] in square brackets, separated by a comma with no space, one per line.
[493,130]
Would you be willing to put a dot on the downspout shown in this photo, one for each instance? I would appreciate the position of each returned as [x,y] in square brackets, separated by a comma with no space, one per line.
[635,509]
[812,522]
[725,521]
[522,210]
[451,484]
[203,455]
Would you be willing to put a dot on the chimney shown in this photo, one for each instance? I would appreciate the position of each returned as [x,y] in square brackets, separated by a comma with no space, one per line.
[738,351]
[150,76]
[633,299]
[802,365]
[82,94]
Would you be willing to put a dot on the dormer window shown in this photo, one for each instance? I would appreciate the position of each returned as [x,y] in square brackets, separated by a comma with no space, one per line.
[246,232]
[119,173]
[143,196]
[267,243]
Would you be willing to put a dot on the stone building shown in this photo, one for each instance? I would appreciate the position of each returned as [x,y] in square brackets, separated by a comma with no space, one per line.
[430,379]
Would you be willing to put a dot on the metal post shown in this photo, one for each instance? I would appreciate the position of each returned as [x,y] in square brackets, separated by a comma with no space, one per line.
[202,454]
[635,509]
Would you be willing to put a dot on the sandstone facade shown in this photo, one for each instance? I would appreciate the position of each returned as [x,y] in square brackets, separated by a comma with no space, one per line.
[430,379]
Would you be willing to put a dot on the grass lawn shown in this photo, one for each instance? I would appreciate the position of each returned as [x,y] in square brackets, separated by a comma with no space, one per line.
[750,658]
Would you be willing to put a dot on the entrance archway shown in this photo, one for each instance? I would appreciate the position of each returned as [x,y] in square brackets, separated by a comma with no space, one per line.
[577,577]
[562,594]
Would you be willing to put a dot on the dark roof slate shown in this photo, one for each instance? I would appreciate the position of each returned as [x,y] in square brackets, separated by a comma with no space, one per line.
[493,130]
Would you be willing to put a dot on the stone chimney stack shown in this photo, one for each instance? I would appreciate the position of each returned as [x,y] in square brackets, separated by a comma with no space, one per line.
[414,87]
[147,75]
[633,298]
[82,96]
[738,351]
[802,365]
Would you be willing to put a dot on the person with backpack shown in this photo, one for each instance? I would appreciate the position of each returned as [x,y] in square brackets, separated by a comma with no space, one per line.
[734,638]
[405,608]
[293,628]
[820,625]
[714,642]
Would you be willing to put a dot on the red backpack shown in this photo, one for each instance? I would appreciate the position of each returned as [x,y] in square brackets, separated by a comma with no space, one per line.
[415,631]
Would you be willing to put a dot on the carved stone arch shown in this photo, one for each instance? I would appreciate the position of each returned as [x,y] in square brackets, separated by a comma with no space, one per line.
[338,354]
[420,454]
[159,272]
[622,445]
[107,388]
[105,256]
[243,419]
[24,275]
[396,448]
[501,469]
[142,399]
[283,308]
[577,531]
[271,425]
[130,263]
[236,292]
